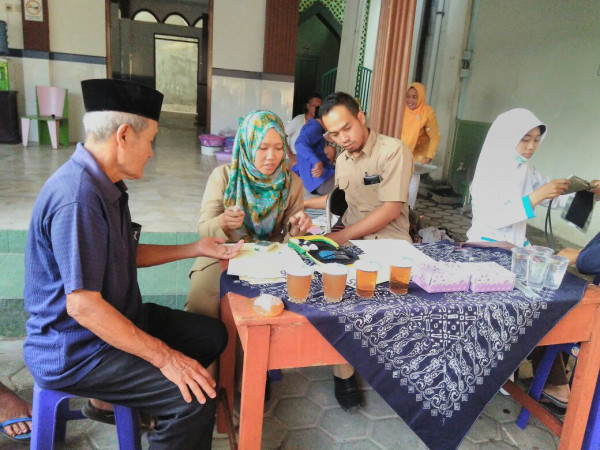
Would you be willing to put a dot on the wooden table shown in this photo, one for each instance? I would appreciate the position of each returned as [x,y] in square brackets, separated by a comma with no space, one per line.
[289,340]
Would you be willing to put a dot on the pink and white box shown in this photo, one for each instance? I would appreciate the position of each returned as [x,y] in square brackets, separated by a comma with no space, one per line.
[489,277]
[441,277]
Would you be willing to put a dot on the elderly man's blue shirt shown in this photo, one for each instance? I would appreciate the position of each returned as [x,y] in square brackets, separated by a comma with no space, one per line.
[80,237]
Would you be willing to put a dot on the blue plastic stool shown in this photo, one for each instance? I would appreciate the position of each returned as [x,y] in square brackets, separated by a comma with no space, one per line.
[591,440]
[541,375]
[51,412]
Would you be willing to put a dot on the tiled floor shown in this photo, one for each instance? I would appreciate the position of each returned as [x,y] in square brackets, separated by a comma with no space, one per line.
[302,412]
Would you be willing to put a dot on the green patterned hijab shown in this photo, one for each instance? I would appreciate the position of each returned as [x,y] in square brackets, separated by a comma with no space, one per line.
[261,197]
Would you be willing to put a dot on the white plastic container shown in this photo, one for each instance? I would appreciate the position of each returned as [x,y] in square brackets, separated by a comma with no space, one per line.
[209,150]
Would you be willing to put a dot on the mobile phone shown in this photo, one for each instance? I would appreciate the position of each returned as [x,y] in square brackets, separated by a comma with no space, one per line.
[371,179]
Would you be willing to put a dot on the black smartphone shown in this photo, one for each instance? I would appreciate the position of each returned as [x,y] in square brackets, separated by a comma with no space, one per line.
[371,179]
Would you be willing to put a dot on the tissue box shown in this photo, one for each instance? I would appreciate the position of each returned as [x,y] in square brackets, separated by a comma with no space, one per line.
[441,277]
[489,277]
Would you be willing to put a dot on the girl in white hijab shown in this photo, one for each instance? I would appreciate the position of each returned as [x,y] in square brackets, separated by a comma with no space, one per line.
[505,189]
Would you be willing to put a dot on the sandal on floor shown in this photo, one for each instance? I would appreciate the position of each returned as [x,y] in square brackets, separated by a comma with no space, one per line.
[20,438]
[147,423]
[556,411]
[554,400]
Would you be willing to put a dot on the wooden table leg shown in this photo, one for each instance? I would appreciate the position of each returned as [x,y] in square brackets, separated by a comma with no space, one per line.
[582,392]
[254,377]
[227,365]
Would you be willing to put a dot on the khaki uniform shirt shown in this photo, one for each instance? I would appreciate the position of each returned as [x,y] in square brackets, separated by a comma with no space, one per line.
[392,160]
[212,207]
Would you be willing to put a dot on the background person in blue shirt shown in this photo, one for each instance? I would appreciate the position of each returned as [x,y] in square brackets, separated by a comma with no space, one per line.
[587,259]
[313,165]
[88,332]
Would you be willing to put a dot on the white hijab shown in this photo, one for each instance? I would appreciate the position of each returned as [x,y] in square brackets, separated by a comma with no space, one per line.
[498,167]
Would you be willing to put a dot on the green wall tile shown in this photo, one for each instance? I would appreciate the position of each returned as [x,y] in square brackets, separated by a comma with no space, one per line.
[3,241]
[186,238]
[12,318]
[183,270]
[12,275]
[158,238]
[158,279]
[165,300]
[16,241]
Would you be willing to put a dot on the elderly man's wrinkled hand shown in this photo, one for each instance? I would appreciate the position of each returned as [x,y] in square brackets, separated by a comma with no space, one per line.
[299,224]
[213,248]
[189,376]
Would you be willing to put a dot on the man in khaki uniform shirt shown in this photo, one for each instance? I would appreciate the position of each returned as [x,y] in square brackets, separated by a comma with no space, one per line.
[378,210]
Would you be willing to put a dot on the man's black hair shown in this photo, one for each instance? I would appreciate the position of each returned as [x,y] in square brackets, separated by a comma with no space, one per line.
[337,99]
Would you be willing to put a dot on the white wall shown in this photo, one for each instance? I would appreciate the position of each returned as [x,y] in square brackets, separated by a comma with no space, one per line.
[14,22]
[372,29]
[545,59]
[239,34]
[77,27]
[238,44]
[238,96]
[444,92]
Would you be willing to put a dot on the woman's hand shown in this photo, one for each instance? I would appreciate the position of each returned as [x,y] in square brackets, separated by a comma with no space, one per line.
[317,170]
[425,160]
[299,224]
[595,187]
[548,191]
[231,219]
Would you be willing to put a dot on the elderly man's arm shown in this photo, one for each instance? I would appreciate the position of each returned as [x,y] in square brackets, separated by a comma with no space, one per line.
[91,311]
[371,223]
[152,255]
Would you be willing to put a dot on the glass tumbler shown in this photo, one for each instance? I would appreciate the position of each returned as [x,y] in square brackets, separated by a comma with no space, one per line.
[538,269]
[556,271]
[520,263]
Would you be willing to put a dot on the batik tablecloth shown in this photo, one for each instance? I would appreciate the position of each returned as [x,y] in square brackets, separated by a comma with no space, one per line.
[436,359]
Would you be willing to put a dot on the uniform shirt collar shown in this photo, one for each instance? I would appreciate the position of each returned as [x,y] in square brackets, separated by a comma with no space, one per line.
[367,148]
[111,191]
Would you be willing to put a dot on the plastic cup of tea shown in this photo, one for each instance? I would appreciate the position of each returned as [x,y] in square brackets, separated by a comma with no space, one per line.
[556,271]
[400,275]
[334,281]
[520,263]
[366,277]
[537,271]
[298,278]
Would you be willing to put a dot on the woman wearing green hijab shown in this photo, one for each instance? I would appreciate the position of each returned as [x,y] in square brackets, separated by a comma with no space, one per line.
[256,197]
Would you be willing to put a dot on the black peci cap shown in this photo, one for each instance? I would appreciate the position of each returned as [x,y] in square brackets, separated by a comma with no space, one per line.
[124,96]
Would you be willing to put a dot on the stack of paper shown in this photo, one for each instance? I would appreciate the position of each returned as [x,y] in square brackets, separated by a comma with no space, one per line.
[260,266]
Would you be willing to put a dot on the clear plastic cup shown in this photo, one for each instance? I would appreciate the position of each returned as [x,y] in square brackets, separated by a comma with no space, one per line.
[520,263]
[400,275]
[537,271]
[545,251]
[334,281]
[556,271]
[298,278]
[366,277]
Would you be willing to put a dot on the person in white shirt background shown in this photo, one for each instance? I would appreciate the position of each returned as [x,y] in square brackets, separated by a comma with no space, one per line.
[505,188]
